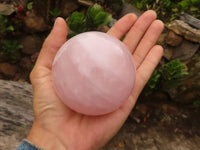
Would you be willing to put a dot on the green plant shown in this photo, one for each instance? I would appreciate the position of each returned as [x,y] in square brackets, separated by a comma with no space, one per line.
[172,73]
[5,26]
[168,76]
[169,10]
[9,48]
[76,22]
[153,83]
[30,5]
[55,13]
[197,103]
[95,16]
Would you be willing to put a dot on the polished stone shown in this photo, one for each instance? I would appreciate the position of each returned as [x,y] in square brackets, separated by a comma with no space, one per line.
[93,73]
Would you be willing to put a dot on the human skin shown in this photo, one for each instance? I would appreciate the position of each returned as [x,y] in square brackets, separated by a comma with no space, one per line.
[58,127]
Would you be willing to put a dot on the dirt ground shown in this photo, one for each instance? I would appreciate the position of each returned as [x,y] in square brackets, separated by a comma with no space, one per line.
[159,125]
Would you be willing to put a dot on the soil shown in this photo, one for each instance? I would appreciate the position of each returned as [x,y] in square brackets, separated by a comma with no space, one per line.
[164,126]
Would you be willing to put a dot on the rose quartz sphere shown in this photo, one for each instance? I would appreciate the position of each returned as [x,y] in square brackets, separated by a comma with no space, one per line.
[93,73]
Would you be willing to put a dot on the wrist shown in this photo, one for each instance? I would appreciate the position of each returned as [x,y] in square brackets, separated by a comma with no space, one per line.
[44,139]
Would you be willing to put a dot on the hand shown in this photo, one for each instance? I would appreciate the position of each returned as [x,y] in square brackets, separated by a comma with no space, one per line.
[58,127]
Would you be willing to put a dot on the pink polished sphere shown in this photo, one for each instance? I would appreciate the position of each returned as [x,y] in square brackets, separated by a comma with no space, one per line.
[93,73]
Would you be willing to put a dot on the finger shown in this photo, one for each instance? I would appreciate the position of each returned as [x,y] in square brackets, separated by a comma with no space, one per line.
[146,68]
[138,29]
[147,42]
[142,76]
[54,41]
[122,26]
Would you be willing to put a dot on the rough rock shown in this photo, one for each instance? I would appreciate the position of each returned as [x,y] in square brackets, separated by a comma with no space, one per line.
[183,29]
[192,21]
[11,58]
[68,7]
[168,53]
[34,23]
[189,91]
[15,3]
[161,39]
[8,69]
[183,52]
[31,44]
[173,39]
[128,8]
[6,9]
[26,63]
[16,115]
[86,2]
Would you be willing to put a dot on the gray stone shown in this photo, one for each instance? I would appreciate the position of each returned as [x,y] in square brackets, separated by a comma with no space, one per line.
[16,115]
[68,7]
[7,9]
[192,21]
[86,2]
[161,39]
[189,91]
[26,64]
[183,52]
[183,29]
[34,23]
[31,44]
[15,3]
[8,69]
[173,39]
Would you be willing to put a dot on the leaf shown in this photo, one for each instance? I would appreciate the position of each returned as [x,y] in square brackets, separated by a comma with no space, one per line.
[97,17]
[55,12]
[172,73]
[10,28]
[102,18]
[153,83]
[30,5]
[197,103]
[76,22]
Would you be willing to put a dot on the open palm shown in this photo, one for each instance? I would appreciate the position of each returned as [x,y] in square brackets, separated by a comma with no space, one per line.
[58,127]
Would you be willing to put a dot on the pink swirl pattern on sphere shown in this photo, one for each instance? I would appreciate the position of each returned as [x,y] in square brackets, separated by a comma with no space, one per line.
[93,73]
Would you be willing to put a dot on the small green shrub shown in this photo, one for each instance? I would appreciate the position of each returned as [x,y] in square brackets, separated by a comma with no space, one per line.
[95,16]
[172,73]
[55,13]
[168,10]
[168,76]
[5,26]
[153,83]
[197,103]
[76,22]
[30,5]
[9,48]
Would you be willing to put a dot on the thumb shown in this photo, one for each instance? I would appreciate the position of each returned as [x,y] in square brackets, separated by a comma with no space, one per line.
[54,41]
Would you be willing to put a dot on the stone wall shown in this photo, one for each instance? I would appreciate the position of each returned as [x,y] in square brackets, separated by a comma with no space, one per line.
[182,41]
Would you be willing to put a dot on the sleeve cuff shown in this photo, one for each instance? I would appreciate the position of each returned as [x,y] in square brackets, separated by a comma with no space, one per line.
[27,145]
